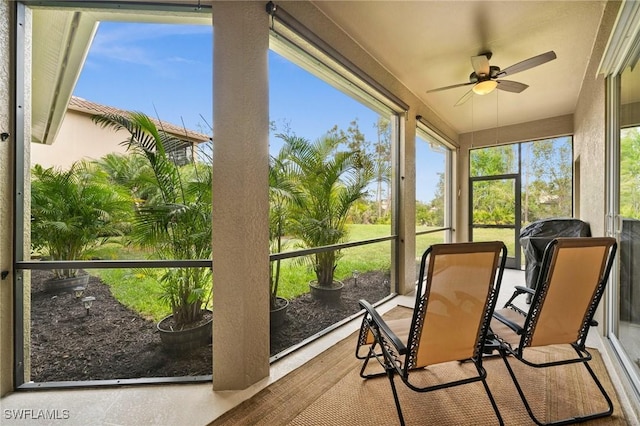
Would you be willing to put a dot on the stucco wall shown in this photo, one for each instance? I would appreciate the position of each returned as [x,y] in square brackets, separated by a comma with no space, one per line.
[240,245]
[589,136]
[78,138]
[6,292]
[8,157]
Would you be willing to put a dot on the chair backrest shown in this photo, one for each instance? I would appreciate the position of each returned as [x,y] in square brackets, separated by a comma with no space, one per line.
[455,299]
[571,283]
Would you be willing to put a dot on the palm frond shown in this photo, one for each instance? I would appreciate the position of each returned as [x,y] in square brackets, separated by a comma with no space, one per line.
[173,215]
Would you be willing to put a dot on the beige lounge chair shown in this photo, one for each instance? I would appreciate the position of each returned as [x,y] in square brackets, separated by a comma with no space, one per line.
[573,275]
[455,297]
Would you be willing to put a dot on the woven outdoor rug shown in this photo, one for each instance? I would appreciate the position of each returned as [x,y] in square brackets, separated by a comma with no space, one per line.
[329,391]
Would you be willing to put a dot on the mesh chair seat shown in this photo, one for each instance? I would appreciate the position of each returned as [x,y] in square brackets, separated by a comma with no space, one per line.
[455,298]
[571,283]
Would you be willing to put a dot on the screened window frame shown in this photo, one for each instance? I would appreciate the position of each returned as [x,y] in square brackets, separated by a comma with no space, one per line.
[349,82]
[296,43]
[20,251]
[515,260]
[428,134]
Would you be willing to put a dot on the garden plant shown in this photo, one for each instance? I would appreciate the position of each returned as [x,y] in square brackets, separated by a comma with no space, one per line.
[283,193]
[330,181]
[74,211]
[174,221]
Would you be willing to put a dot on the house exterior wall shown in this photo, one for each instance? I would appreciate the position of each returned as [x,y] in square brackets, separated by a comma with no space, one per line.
[590,134]
[79,137]
[9,161]
[589,152]
[6,208]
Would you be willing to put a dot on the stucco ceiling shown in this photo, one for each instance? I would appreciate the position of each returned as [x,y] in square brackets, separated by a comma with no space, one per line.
[428,44]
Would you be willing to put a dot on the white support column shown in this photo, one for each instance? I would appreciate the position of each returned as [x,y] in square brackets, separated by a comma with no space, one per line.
[240,195]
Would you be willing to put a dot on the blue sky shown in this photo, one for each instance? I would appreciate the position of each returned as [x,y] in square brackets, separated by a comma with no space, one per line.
[165,71]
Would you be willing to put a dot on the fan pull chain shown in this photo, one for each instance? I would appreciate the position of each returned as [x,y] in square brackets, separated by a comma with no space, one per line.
[473,131]
[497,116]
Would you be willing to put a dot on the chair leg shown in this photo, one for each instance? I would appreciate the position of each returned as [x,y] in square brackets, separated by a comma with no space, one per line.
[390,373]
[493,402]
[372,354]
[568,421]
[609,410]
[503,355]
[602,391]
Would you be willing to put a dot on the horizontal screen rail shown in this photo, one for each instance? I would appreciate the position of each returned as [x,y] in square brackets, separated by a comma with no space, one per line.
[177,263]
[433,231]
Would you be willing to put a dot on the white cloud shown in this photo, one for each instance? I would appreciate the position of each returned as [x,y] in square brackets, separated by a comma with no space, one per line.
[140,43]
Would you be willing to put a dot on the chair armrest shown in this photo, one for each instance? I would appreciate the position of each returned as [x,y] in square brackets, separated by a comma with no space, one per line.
[522,289]
[519,290]
[512,325]
[383,327]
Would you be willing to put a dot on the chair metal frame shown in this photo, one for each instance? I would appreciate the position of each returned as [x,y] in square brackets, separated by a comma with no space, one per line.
[526,329]
[400,358]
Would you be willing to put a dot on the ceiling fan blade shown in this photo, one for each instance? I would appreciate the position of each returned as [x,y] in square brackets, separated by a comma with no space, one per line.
[528,63]
[449,87]
[480,64]
[464,98]
[511,86]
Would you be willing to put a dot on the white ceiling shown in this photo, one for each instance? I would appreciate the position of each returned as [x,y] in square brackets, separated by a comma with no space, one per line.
[428,44]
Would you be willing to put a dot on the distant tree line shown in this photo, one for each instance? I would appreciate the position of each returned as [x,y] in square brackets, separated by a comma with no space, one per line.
[630,173]
[546,181]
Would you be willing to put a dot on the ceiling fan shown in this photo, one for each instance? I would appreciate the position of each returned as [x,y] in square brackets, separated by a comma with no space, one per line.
[485,77]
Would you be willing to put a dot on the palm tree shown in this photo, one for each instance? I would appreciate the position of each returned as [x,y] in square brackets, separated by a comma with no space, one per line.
[283,193]
[175,220]
[132,172]
[330,182]
[74,211]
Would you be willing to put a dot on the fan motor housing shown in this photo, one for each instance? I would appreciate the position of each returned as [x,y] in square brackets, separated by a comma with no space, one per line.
[493,72]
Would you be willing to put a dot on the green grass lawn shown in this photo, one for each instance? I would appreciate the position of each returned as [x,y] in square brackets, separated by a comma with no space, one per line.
[505,235]
[296,273]
[139,289]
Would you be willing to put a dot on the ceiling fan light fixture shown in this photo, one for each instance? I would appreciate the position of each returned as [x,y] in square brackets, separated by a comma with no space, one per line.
[484,87]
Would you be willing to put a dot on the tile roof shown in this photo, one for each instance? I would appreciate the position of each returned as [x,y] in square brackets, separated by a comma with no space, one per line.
[83,105]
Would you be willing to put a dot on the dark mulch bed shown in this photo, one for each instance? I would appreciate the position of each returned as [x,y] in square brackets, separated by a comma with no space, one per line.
[113,342]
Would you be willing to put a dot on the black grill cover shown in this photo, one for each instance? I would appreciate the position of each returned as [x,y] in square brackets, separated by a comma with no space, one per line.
[535,237]
[629,271]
